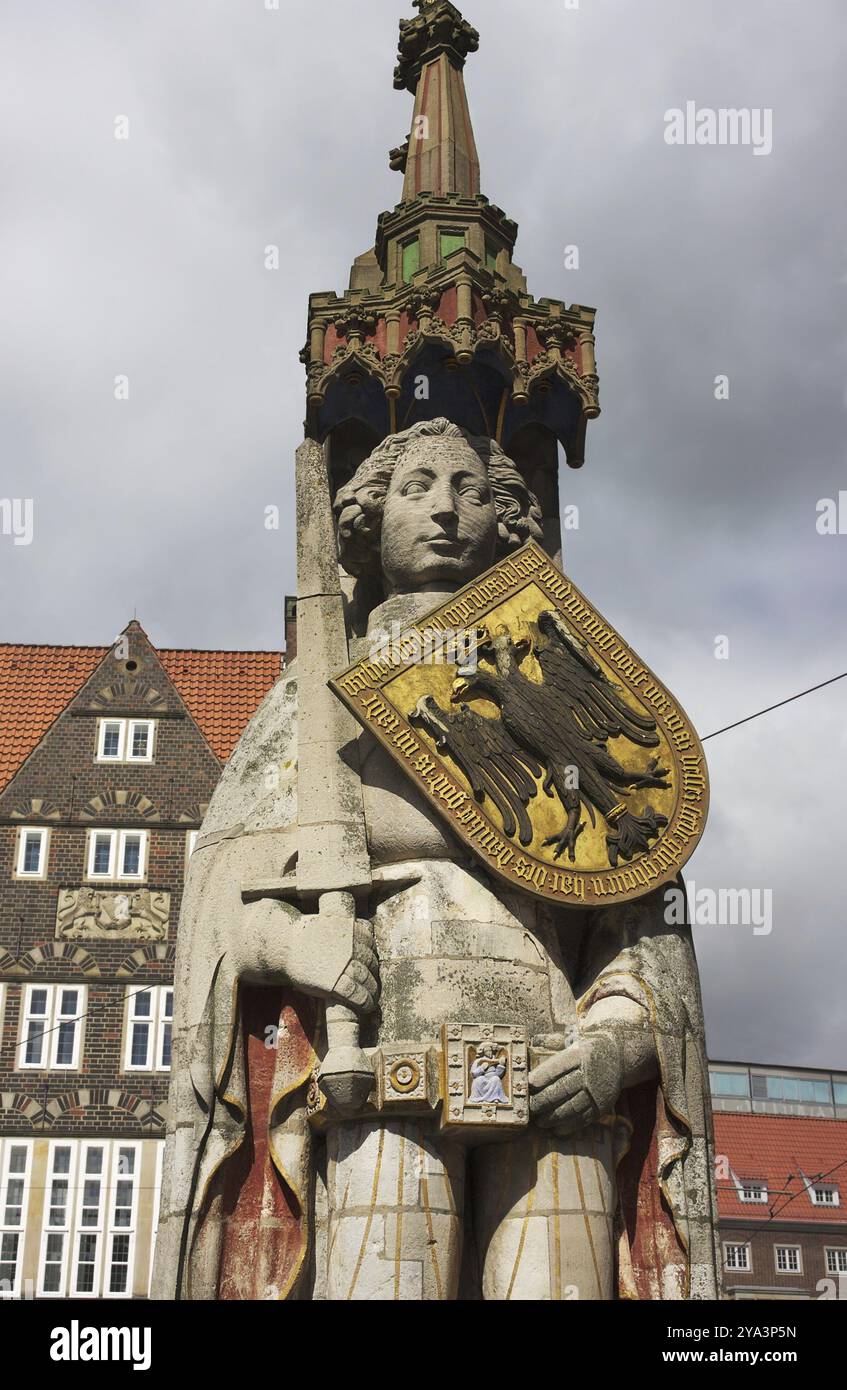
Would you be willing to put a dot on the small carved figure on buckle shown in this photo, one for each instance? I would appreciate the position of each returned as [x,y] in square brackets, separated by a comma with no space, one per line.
[488,1069]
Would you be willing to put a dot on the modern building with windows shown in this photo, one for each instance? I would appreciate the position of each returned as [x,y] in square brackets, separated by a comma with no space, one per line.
[108,758]
[781,1167]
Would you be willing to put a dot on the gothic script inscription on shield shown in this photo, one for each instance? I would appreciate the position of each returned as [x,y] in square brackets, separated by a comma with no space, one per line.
[554,752]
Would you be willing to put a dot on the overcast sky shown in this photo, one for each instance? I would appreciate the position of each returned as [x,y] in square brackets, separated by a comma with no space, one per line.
[249,127]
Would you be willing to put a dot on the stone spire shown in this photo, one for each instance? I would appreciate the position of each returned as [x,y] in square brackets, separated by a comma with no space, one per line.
[440,156]
[438,319]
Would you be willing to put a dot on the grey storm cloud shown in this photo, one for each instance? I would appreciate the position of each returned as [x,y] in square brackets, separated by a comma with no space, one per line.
[251,127]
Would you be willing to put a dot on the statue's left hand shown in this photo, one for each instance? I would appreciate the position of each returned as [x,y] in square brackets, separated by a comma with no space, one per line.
[579,1084]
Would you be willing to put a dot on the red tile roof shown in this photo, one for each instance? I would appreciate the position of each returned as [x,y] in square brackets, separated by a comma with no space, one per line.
[784,1151]
[36,683]
[221,690]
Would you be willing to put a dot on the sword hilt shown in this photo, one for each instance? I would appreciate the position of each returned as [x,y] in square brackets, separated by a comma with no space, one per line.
[346,1076]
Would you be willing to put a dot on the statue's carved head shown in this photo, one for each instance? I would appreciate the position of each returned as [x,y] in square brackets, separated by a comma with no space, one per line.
[433,505]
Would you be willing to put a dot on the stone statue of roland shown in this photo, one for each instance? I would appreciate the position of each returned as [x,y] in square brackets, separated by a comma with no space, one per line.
[607,1192]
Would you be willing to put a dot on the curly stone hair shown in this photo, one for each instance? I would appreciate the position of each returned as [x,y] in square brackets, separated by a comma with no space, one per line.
[359,504]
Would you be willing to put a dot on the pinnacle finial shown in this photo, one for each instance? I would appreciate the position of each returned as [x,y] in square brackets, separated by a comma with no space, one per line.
[439,28]
[440,155]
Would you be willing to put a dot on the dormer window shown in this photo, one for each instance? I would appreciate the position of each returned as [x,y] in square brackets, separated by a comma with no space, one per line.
[824,1194]
[753,1192]
[125,740]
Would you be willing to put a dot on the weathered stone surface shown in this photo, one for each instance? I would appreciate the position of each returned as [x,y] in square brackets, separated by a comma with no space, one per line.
[605,999]
[359,879]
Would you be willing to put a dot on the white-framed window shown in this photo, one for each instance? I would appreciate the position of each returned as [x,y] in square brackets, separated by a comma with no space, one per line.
[111,739]
[736,1256]
[125,740]
[51,1027]
[149,1028]
[753,1192]
[106,1219]
[118,855]
[36,1021]
[90,1218]
[33,848]
[57,1219]
[139,741]
[836,1259]
[15,1176]
[787,1259]
[190,843]
[824,1194]
[91,1197]
[123,1218]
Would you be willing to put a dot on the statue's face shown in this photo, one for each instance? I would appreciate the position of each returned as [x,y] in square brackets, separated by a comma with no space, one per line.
[439,526]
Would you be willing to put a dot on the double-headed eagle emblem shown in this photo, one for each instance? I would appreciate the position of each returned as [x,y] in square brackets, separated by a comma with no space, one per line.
[557,728]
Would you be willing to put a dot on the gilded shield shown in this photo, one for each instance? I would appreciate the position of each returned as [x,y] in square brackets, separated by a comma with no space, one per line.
[545,742]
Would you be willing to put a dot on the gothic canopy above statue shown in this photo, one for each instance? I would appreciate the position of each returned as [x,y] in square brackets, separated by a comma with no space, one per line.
[438,320]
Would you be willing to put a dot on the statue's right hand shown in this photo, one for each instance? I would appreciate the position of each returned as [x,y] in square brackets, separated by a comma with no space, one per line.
[358,984]
[330,955]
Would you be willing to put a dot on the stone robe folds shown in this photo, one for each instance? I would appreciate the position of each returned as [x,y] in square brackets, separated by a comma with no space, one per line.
[237,1207]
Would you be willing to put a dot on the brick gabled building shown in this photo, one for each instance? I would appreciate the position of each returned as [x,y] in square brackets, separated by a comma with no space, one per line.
[108,758]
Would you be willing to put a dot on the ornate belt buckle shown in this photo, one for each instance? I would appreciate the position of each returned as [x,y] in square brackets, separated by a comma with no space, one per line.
[407,1078]
[484,1077]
